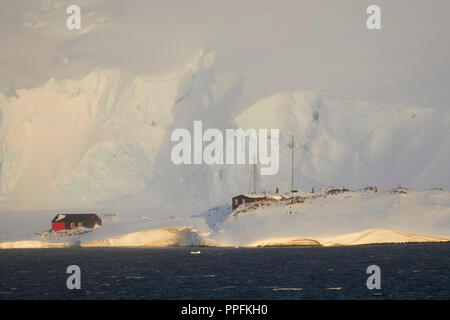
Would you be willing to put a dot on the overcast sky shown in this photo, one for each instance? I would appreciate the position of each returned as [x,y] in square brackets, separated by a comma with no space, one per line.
[276,46]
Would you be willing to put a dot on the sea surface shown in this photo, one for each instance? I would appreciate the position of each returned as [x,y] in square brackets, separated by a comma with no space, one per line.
[408,271]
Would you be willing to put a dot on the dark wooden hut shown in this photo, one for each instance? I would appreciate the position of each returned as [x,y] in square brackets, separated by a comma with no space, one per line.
[246,198]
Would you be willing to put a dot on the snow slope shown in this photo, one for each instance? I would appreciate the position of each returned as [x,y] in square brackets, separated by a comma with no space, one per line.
[369,236]
[372,236]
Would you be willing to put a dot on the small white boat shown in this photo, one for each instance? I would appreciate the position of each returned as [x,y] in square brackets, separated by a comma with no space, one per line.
[196,252]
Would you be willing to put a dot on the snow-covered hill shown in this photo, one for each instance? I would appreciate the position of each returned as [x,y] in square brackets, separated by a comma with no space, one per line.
[103,142]
[324,218]
[350,218]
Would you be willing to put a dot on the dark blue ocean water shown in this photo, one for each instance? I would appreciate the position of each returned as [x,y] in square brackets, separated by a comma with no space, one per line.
[410,271]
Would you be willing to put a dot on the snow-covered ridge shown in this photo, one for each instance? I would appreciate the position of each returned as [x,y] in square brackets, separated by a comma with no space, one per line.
[373,236]
[369,236]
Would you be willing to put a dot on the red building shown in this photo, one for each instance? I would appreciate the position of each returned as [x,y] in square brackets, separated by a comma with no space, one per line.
[70,221]
[246,198]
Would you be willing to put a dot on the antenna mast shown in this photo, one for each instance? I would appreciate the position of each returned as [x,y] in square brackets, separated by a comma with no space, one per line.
[254,181]
[292,165]
[254,178]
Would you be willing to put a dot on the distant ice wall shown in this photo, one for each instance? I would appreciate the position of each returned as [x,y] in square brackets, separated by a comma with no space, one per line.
[353,144]
[105,138]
